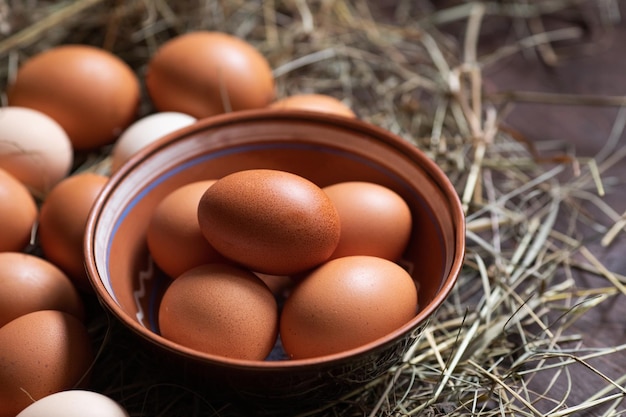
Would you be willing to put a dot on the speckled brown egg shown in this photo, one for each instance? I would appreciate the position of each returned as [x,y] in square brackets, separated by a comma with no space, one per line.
[174,238]
[222,310]
[375,220]
[321,103]
[18,212]
[90,92]
[206,73]
[271,221]
[29,283]
[344,304]
[41,353]
[62,222]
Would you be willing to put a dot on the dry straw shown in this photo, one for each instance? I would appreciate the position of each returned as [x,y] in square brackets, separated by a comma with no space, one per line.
[502,345]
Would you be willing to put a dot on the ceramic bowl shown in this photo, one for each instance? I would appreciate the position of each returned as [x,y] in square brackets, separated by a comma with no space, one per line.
[323,148]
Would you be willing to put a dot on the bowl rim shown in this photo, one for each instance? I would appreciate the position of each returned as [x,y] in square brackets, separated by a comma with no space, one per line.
[435,173]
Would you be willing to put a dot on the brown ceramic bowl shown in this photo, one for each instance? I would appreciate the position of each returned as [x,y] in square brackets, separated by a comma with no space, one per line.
[323,148]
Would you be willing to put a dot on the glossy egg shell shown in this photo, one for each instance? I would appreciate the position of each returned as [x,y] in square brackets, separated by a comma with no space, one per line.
[314,102]
[62,221]
[41,353]
[90,92]
[145,131]
[206,73]
[174,238]
[18,213]
[375,220]
[271,221]
[74,403]
[29,283]
[344,304]
[34,148]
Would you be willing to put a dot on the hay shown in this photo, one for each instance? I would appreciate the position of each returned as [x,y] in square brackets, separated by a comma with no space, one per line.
[528,206]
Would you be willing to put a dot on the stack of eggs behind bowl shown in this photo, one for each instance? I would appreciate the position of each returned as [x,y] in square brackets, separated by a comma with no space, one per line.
[225,242]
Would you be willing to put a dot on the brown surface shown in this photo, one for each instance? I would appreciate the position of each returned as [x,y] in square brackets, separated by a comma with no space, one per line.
[587,128]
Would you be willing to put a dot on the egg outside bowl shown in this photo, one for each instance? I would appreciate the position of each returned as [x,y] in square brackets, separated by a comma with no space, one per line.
[323,148]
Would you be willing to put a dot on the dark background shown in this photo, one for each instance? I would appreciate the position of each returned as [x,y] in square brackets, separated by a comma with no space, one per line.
[596,66]
[591,66]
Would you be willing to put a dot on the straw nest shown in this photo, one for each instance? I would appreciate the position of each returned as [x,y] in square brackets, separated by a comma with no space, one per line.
[510,316]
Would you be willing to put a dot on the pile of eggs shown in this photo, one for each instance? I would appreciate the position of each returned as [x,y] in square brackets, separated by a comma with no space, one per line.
[76,100]
[227,242]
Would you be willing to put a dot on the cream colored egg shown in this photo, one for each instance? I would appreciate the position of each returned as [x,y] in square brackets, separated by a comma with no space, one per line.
[74,403]
[145,131]
[34,148]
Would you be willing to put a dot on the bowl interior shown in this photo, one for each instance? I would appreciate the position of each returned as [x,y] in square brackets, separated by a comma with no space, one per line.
[322,148]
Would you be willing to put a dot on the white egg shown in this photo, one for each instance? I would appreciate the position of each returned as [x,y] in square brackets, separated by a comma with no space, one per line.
[74,403]
[34,148]
[145,131]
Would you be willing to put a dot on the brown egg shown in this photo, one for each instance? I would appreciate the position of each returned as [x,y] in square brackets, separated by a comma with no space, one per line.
[271,221]
[90,92]
[41,353]
[375,220]
[29,283]
[62,222]
[174,238]
[207,73]
[222,310]
[18,212]
[344,304]
[314,102]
